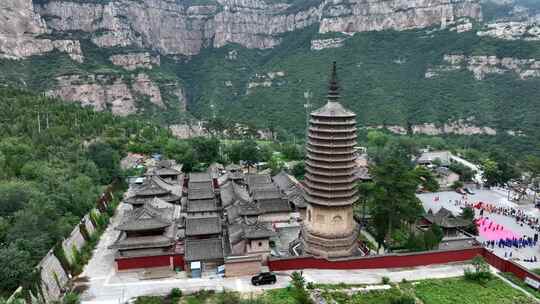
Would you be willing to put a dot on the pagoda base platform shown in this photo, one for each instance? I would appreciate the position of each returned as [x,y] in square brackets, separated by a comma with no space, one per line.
[330,247]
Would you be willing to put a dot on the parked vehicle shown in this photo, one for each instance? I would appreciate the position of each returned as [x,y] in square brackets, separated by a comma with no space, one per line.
[468,191]
[264,278]
[460,191]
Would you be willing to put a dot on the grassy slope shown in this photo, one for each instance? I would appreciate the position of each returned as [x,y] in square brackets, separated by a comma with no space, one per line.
[460,291]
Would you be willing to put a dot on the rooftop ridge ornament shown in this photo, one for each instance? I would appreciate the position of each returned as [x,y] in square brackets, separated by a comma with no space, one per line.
[333,88]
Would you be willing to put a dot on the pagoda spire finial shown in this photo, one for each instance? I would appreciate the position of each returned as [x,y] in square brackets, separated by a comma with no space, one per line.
[333,88]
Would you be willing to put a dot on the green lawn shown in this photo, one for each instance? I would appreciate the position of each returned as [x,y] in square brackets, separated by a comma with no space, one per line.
[439,291]
[510,276]
[443,291]
[460,291]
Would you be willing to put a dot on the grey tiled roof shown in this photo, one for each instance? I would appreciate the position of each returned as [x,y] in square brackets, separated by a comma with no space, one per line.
[255,180]
[200,185]
[204,249]
[200,177]
[267,193]
[197,194]
[196,226]
[150,188]
[205,205]
[248,208]
[146,217]
[233,213]
[293,190]
[283,181]
[233,167]
[257,231]
[333,109]
[445,219]
[235,233]
[166,171]
[274,205]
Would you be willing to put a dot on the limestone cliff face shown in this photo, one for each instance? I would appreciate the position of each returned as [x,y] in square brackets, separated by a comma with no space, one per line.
[170,27]
[20,28]
[117,93]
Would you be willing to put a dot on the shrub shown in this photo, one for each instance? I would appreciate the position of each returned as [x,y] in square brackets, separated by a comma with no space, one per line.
[403,299]
[297,280]
[228,297]
[71,298]
[479,272]
[149,300]
[385,280]
[457,184]
[176,293]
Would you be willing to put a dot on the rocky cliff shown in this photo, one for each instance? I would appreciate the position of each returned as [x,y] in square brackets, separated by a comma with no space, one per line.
[174,27]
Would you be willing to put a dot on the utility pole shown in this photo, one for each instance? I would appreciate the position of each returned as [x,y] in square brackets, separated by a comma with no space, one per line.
[307,106]
[39,122]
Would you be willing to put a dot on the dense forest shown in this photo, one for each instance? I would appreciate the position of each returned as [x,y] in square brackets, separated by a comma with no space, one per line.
[55,159]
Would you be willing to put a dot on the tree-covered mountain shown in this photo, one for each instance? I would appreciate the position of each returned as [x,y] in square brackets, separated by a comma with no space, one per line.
[432,69]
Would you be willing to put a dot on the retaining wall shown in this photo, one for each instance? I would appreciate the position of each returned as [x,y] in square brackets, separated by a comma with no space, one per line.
[75,240]
[88,224]
[53,277]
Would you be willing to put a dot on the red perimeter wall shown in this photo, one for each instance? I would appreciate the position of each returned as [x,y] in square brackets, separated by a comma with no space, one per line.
[370,262]
[151,261]
[508,266]
[403,260]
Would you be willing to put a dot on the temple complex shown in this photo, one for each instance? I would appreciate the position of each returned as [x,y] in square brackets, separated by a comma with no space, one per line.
[330,229]
[228,218]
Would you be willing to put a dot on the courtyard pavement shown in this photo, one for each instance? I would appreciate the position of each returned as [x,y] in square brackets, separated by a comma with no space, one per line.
[498,198]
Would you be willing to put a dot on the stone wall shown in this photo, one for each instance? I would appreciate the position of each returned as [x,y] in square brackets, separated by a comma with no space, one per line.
[75,240]
[53,277]
[88,224]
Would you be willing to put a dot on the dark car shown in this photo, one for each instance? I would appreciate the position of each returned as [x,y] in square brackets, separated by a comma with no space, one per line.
[263,278]
[469,191]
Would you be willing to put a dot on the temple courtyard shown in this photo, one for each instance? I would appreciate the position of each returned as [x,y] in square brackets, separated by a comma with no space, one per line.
[498,198]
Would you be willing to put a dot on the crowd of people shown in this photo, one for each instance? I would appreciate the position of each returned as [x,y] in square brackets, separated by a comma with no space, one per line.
[499,237]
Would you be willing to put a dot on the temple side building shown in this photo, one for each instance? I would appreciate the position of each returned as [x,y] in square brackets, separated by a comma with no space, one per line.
[329,229]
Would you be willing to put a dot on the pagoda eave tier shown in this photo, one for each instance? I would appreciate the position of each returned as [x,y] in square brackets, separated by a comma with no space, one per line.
[326,122]
[330,178]
[332,158]
[335,166]
[329,151]
[338,202]
[332,138]
[335,186]
[335,129]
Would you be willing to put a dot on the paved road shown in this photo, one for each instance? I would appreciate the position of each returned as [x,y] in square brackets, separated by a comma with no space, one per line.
[116,288]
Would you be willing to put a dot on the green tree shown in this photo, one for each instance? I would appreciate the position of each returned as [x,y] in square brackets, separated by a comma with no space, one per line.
[428,181]
[299,170]
[246,150]
[394,199]
[17,270]
[206,149]
[15,195]
[106,159]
